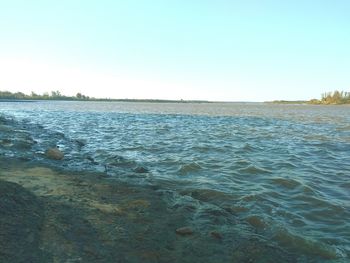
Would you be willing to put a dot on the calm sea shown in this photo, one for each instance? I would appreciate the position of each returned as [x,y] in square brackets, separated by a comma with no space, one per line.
[277,176]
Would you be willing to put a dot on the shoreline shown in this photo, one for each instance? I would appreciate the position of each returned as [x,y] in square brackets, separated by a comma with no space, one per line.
[111,100]
[85,216]
[60,215]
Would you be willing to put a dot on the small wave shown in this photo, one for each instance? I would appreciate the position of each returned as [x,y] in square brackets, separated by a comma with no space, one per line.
[207,195]
[346,185]
[5,128]
[286,182]
[141,170]
[316,137]
[256,221]
[286,165]
[201,148]
[252,169]
[243,162]
[116,160]
[343,128]
[318,202]
[308,190]
[189,168]
[235,209]
[247,147]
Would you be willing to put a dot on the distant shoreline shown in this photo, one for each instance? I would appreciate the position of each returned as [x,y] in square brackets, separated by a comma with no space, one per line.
[310,102]
[329,98]
[8,96]
[287,102]
[276,102]
[110,100]
[13,100]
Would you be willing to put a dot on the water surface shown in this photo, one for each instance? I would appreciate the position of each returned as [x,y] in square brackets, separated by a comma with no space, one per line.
[277,176]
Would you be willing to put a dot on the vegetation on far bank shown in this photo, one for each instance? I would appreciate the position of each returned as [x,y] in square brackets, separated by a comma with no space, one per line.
[327,98]
[56,95]
[335,97]
[288,102]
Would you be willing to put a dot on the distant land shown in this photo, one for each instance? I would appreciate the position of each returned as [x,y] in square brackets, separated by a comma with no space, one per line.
[288,102]
[56,95]
[328,98]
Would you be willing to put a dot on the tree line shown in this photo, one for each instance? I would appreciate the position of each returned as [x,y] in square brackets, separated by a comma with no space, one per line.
[335,97]
[54,95]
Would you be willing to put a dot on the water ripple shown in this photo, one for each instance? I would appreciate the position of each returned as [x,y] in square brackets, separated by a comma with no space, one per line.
[272,173]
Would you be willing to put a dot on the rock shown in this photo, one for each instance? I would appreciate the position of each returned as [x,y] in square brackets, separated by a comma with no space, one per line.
[54,153]
[184,231]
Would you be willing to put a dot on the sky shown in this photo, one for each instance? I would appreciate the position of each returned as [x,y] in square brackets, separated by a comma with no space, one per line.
[254,50]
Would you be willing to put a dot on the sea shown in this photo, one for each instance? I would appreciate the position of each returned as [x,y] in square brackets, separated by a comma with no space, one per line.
[274,175]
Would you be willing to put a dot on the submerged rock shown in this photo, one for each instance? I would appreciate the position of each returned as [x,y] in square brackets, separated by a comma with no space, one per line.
[184,231]
[54,153]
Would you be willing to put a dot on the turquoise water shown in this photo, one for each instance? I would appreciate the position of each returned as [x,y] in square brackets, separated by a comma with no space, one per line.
[276,176]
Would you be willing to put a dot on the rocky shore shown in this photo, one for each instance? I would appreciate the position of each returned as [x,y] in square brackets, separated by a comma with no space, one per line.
[49,214]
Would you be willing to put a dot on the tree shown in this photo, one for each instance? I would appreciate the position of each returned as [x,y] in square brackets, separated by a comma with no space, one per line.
[56,94]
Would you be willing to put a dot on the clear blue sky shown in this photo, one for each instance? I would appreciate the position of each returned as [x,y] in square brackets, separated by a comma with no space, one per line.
[185,49]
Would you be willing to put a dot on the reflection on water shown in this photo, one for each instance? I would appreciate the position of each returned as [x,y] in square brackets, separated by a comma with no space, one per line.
[274,175]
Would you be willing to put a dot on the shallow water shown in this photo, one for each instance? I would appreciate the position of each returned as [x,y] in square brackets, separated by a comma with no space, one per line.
[273,175]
